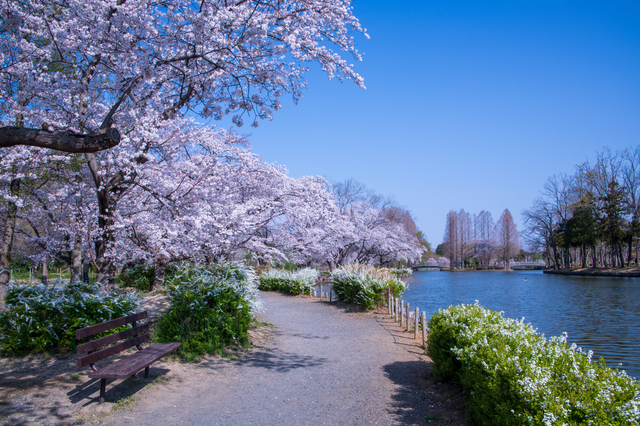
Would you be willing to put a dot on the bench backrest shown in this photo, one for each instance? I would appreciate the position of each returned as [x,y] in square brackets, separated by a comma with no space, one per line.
[131,337]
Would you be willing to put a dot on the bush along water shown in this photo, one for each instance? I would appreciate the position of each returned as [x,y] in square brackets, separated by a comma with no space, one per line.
[514,376]
[211,307]
[40,318]
[365,285]
[297,282]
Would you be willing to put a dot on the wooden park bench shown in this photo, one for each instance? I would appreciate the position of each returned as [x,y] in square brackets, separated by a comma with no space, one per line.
[90,352]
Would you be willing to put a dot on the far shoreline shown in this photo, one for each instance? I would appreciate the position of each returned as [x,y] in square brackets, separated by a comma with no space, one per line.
[628,272]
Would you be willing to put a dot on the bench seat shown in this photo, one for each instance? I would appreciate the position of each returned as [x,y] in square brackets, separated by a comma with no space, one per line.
[134,363]
[133,335]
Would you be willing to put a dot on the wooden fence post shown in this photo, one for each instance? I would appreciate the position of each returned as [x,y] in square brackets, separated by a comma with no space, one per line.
[424,329]
[408,316]
[396,309]
[415,332]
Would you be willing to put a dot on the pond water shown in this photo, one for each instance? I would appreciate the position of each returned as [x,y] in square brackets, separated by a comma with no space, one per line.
[598,313]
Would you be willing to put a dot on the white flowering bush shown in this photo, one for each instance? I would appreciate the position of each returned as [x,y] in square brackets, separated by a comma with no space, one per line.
[365,285]
[297,282]
[513,376]
[402,271]
[211,307]
[42,318]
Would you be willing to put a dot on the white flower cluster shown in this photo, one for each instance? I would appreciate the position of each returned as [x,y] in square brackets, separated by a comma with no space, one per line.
[514,374]
[216,279]
[364,285]
[296,282]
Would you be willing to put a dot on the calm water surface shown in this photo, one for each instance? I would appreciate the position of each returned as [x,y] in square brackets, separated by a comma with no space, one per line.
[600,314]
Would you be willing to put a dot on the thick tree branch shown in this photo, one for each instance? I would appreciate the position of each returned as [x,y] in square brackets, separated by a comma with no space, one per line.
[61,141]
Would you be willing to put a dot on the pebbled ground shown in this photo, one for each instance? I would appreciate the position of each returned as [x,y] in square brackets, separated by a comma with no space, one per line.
[317,364]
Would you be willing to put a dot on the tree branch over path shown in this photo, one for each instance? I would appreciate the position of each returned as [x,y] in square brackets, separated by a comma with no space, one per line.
[60,141]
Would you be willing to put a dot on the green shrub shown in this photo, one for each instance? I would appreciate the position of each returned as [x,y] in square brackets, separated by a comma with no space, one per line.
[365,285]
[140,277]
[210,307]
[297,282]
[39,318]
[514,376]
[274,280]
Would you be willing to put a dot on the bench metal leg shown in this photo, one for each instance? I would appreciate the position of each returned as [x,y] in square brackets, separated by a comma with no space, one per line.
[146,371]
[103,386]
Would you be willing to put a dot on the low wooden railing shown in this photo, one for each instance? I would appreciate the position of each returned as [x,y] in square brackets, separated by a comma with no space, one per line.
[400,310]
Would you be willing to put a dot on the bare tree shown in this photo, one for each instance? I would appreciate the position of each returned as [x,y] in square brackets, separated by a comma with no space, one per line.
[507,238]
[451,238]
[465,232]
[484,225]
[540,225]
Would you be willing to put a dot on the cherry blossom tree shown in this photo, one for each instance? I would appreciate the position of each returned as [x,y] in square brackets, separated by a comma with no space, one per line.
[76,69]
[30,180]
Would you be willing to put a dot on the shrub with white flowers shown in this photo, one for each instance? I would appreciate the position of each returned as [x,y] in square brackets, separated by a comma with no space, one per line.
[297,282]
[365,285]
[513,376]
[211,307]
[43,318]
[402,271]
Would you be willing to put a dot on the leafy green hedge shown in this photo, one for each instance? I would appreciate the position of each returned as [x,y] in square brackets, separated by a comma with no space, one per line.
[402,271]
[514,376]
[297,282]
[210,307]
[40,318]
[140,277]
[365,285]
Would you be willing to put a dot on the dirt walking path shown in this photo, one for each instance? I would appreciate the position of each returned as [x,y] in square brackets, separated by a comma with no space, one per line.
[321,365]
[316,363]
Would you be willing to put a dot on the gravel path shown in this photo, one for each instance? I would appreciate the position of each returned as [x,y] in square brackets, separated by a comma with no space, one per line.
[321,365]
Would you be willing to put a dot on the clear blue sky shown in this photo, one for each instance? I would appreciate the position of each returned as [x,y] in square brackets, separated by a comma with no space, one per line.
[469,104]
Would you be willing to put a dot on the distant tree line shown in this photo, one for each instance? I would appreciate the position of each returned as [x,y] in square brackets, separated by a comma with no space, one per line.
[590,218]
[476,241]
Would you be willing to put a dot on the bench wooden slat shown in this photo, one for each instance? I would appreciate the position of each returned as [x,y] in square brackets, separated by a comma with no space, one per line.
[106,340]
[135,362]
[111,350]
[81,333]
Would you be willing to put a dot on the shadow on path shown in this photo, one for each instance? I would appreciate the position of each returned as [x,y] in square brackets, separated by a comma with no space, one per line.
[116,390]
[278,360]
[418,400]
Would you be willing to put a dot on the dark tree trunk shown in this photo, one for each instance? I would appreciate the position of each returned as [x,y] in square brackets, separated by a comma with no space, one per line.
[45,271]
[621,255]
[555,257]
[160,272]
[107,194]
[7,237]
[106,268]
[76,259]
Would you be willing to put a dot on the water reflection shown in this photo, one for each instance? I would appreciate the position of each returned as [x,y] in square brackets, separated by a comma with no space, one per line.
[601,314]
